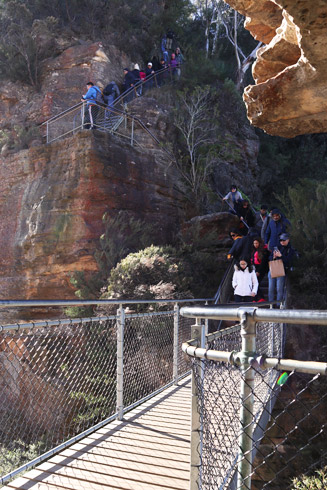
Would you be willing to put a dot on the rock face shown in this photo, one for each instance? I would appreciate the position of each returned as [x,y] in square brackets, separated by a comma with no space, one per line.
[289,97]
[52,201]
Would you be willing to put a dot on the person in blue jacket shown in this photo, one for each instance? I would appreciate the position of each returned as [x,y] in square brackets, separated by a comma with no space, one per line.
[91,109]
[277,225]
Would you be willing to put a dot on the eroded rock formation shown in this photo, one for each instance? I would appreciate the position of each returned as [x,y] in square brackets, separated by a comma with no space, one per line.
[289,97]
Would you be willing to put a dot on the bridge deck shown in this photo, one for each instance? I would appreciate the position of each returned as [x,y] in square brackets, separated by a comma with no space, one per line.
[149,450]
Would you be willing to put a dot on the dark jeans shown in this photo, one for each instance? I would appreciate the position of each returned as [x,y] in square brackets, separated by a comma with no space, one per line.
[243,299]
[90,116]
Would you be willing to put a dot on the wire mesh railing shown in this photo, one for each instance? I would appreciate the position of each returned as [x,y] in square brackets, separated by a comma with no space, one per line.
[60,380]
[258,420]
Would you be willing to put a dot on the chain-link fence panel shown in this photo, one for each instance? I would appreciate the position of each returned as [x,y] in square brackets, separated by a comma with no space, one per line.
[184,330]
[227,339]
[55,382]
[288,428]
[218,386]
[148,354]
[291,453]
[270,339]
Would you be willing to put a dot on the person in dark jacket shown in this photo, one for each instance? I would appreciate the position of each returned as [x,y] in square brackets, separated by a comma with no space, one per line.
[245,213]
[162,76]
[149,72]
[287,253]
[128,83]
[242,245]
[110,93]
[261,218]
[277,225]
[137,79]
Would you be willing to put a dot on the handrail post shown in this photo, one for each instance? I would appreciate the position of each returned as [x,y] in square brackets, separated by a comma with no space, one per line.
[197,333]
[248,333]
[176,351]
[47,132]
[83,114]
[132,132]
[155,79]
[120,362]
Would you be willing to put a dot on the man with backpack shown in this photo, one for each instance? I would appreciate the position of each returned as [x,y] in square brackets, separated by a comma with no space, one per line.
[93,97]
[110,93]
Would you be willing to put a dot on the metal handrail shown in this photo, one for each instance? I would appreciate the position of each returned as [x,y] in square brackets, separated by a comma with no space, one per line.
[89,302]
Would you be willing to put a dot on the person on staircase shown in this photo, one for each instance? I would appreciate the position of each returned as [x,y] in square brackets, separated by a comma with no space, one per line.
[128,83]
[277,225]
[262,220]
[233,198]
[137,77]
[149,72]
[287,253]
[246,215]
[91,109]
[259,259]
[245,282]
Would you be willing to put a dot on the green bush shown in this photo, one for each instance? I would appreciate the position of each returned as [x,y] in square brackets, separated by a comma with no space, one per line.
[153,273]
[307,203]
[318,481]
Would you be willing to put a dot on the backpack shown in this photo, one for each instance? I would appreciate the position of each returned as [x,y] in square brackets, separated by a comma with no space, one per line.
[108,89]
[99,97]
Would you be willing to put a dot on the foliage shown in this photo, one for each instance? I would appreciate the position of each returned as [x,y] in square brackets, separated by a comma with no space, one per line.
[155,272]
[283,161]
[18,454]
[318,481]
[122,235]
[307,203]
[194,160]
[24,42]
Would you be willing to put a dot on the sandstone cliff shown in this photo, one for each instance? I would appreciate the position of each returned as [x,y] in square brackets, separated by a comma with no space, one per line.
[289,97]
[52,201]
[53,196]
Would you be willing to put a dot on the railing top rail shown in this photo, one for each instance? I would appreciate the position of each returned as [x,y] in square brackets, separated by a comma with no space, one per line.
[66,111]
[312,317]
[81,302]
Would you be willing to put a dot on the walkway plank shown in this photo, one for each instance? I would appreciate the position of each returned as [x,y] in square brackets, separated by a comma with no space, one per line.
[148,450]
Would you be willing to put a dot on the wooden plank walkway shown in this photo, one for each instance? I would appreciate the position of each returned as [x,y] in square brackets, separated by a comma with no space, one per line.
[149,450]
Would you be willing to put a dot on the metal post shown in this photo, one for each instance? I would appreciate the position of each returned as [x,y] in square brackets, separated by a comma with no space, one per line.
[248,332]
[120,361]
[176,351]
[206,327]
[83,114]
[132,132]
[155,79]
[196,426]
[47,131]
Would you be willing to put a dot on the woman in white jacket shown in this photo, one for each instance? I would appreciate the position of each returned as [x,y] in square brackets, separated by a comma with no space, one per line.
[245,282]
